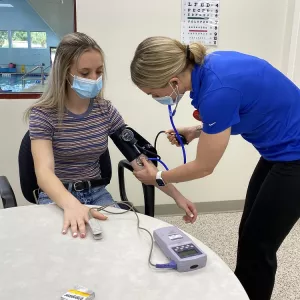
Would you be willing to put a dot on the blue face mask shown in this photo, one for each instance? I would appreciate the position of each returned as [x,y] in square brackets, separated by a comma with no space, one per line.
[86,88]
[168,100]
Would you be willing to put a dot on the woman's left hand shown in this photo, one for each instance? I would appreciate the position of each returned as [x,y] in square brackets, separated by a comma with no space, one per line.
[189,208]
[147,175]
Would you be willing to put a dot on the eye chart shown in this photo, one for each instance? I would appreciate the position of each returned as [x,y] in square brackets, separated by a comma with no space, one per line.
[200,22]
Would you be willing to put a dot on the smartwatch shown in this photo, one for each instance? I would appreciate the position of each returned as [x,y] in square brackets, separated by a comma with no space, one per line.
[159,180]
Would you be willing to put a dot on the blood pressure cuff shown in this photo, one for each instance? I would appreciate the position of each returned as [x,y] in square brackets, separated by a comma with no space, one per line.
[132,144]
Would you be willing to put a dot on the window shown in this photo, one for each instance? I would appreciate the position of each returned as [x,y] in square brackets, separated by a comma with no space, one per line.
[4,43]
[19,39]
[26,47]
[38,39]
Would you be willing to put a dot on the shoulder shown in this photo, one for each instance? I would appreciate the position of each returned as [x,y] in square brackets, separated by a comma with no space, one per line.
[220,109]
[111,113]
[231,56]
[42,113]
[226,69]
[44,110]
[229,64]
[103,104]
[42,122]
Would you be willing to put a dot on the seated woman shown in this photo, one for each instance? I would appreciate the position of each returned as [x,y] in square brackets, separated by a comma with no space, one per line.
[69,128]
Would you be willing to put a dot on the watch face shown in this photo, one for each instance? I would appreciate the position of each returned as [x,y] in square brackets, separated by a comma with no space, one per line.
[160,182]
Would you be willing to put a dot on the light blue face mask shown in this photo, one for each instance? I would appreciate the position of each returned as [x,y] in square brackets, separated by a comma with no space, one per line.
[86,88]
[168,100]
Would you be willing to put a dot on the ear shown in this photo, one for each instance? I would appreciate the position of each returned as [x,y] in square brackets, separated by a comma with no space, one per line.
[174,82]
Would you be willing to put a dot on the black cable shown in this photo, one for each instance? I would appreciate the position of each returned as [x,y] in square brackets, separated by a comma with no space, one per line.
[148,151]
[155,141]
[181,136]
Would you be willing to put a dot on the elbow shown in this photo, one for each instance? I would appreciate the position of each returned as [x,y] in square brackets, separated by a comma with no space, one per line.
[208,171]
[41,176]
[204,171]
[40,180]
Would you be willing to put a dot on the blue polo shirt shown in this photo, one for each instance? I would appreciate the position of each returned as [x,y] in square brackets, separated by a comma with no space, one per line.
[252,97]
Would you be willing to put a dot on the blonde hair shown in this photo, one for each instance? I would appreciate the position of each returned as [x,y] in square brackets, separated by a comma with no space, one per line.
[158,59]
[69,50]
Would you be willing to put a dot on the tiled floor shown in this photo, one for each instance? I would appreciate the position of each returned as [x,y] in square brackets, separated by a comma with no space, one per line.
[219,232]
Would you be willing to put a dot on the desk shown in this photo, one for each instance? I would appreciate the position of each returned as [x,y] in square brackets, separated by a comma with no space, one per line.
[37,262]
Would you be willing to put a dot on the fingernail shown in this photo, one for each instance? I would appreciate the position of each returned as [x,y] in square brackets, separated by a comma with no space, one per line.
[82,235]
[64,232]
[75,234]
[192,216]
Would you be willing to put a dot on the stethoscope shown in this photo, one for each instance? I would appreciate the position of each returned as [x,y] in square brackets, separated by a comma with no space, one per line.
[181,139]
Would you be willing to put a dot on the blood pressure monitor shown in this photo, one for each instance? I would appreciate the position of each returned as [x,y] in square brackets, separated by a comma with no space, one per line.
[179,248]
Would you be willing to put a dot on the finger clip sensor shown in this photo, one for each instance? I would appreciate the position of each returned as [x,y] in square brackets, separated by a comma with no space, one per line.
[96,228]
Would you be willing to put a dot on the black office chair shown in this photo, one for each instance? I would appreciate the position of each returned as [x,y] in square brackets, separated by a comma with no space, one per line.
[29,184]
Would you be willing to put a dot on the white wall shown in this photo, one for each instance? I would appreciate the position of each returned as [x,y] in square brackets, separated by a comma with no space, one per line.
[259,27]
[12,130]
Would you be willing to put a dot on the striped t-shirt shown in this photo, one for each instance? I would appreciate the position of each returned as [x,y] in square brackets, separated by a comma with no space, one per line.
[80,139]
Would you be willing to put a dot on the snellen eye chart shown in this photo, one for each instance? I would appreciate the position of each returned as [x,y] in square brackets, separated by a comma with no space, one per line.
[200,22]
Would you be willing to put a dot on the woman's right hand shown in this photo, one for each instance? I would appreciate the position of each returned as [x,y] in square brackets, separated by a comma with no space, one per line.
[76,216]
[75,213]
[189,133]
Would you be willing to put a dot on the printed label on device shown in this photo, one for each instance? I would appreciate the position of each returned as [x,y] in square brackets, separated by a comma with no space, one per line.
[173,237]
[79,293]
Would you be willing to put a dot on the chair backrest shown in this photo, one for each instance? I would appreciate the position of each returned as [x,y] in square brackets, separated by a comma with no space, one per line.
[27,175]
[26,169]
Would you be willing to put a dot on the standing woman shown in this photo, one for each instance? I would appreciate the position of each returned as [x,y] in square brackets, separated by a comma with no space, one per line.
[234,93]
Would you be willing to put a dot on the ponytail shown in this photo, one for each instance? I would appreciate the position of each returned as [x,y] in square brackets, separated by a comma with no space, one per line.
[196,53]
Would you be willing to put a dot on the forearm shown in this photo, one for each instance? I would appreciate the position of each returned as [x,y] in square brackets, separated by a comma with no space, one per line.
[197,129]
[190,171]
[54,188]
[170,190]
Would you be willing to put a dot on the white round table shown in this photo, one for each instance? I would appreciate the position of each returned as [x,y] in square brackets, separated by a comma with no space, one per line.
[38,262]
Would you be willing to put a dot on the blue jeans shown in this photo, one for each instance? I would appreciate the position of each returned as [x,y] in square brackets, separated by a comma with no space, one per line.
[97,196]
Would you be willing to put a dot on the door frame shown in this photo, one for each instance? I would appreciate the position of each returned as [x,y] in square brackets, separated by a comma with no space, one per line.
[293,69]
